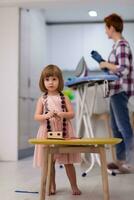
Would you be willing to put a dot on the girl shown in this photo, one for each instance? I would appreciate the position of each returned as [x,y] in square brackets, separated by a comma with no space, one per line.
[54,111]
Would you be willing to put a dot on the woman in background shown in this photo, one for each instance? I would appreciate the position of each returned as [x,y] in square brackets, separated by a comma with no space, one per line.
[120,62]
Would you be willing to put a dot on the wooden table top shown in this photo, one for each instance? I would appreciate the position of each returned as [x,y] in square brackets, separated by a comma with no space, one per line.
[83,141]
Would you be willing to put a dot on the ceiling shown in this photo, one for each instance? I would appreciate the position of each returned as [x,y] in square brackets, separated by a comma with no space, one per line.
[76,10]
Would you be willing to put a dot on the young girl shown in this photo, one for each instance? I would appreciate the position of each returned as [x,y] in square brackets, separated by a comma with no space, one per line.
[54,111]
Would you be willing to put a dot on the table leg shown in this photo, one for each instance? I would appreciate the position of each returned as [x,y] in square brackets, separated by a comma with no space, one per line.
[44,173]
[104,172]
[49,174]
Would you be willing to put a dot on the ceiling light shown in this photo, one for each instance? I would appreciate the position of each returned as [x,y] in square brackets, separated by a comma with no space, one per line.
[92,13]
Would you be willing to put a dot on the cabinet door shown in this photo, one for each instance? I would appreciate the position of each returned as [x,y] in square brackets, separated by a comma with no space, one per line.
[32,59]
[28,127]
[24,128]
[33,125]
[37,59]
[24,69]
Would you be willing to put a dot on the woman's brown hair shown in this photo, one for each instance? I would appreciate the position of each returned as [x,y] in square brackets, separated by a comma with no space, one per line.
[51,70]
[114,20]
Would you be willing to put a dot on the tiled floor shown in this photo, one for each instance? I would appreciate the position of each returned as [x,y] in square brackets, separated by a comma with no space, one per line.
[22,176]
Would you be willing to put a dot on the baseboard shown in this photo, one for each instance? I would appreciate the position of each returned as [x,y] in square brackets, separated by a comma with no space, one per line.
[24,153]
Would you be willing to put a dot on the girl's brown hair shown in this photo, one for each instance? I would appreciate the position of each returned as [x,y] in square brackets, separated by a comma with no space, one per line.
[51,70]
[114,20]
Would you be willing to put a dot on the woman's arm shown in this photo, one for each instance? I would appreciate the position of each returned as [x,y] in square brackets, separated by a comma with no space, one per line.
[122,57]
[109,66]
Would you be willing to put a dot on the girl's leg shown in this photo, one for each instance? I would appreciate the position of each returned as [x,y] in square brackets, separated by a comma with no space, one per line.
[53,184]
[70,170]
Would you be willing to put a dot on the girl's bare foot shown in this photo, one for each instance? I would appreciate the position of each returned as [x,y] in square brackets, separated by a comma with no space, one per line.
[53,189]
[76,191]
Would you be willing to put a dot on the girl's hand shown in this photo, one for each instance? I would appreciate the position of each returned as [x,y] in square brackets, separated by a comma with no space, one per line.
[60,114]
[49,115]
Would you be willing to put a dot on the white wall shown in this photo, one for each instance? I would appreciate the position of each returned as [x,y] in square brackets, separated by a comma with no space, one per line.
[68,43]
[23,55]
[9,20]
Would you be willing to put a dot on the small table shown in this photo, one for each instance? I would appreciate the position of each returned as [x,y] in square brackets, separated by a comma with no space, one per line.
[90,145]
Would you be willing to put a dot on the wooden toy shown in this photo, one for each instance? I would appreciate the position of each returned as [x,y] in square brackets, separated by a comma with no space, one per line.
[55,135]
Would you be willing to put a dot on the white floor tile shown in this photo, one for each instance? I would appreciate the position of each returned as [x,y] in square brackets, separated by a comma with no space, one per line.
[22,176]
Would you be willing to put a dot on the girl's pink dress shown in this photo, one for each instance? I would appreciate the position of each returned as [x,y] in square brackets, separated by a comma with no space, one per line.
[54,104]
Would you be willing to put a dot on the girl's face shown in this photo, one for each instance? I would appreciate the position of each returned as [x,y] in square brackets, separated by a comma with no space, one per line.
[51,83]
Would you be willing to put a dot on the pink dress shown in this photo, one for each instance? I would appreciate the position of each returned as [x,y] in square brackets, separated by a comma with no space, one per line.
[54,104]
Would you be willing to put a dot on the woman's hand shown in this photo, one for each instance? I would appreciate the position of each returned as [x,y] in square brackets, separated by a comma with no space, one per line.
[109,66]
[103,65]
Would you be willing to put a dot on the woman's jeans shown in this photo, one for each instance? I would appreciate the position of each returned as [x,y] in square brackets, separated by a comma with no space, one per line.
[120,124]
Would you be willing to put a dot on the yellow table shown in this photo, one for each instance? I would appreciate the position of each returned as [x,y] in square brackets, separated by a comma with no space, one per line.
[91,145]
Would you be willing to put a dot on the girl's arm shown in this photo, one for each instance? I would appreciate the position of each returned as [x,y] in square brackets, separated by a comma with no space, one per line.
[69,114]
[39,115]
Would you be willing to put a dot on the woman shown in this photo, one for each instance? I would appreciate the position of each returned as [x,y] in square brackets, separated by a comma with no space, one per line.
[120,63]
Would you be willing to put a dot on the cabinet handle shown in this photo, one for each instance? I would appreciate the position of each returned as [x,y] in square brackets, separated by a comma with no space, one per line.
[29,82]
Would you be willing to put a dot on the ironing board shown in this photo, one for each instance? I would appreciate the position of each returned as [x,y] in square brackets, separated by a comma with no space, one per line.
[91,79]
[84,110]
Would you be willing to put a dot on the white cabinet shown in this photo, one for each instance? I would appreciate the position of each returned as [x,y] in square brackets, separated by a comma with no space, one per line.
[32,60]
